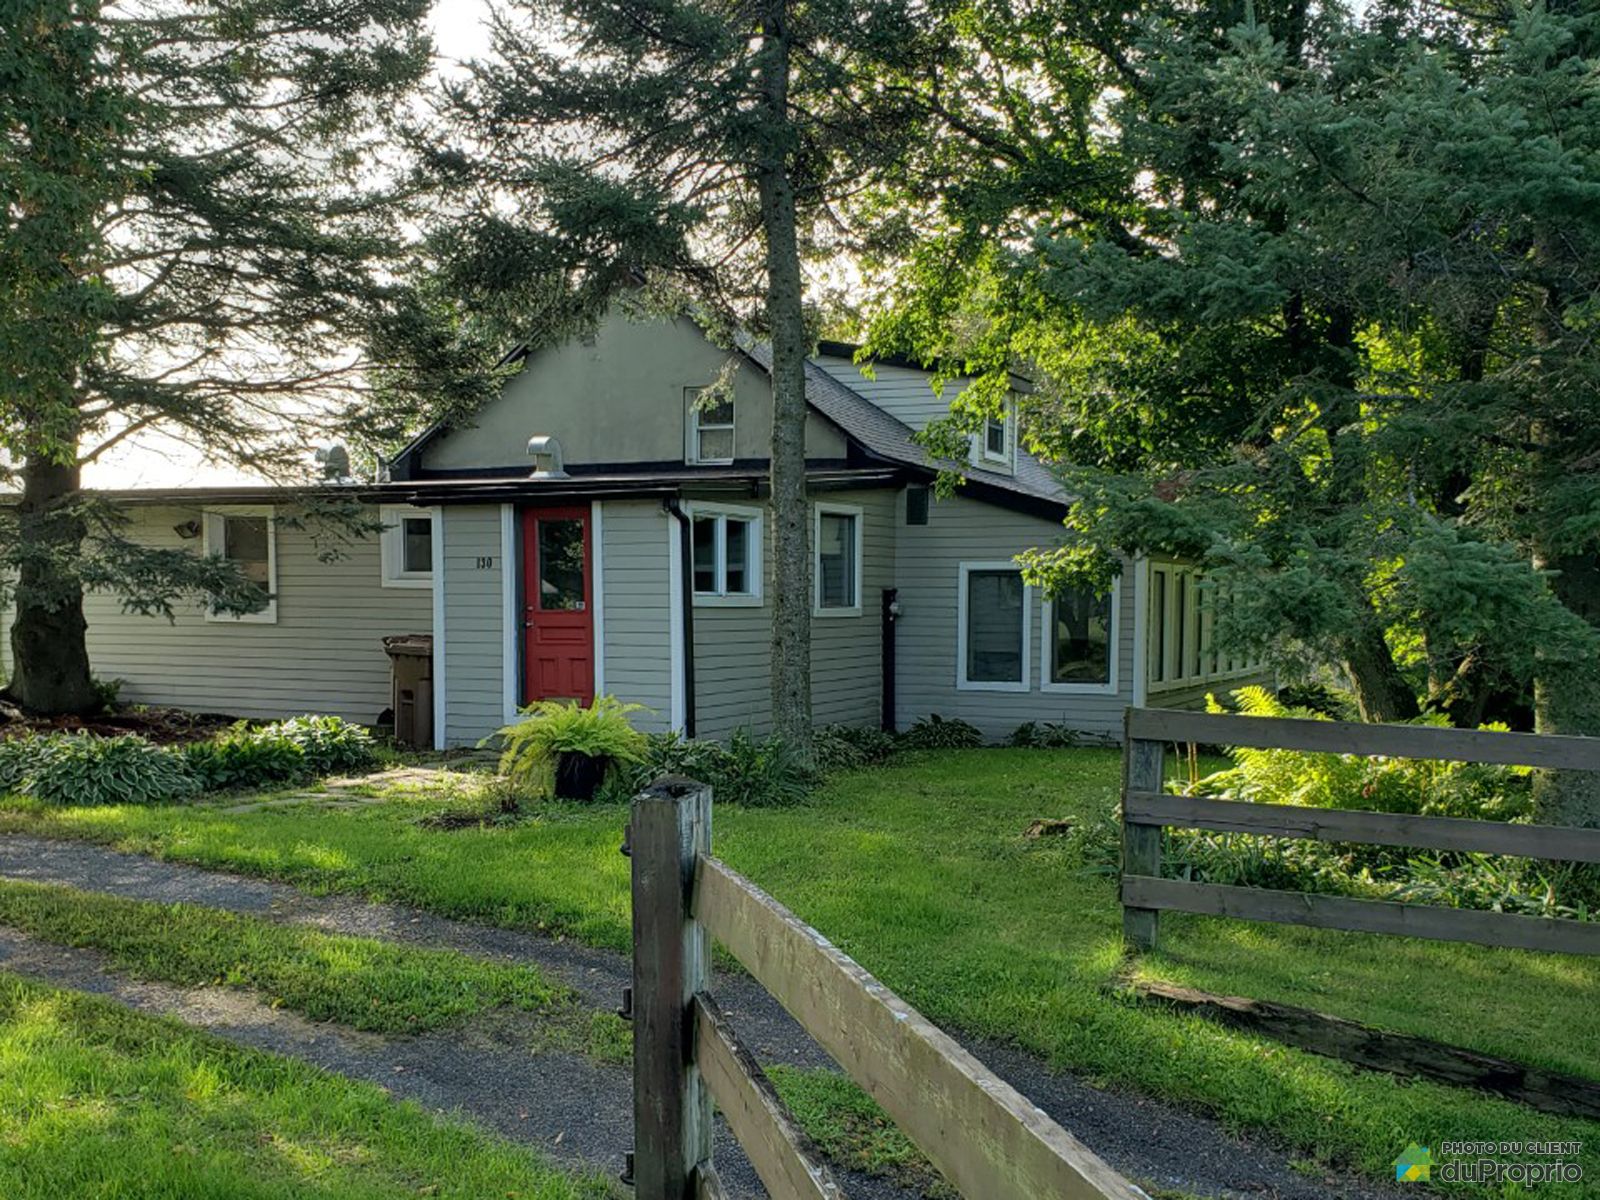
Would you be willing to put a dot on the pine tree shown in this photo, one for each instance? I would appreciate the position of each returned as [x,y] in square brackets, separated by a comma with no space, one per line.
[1310,299]
[701,145]
[195,239]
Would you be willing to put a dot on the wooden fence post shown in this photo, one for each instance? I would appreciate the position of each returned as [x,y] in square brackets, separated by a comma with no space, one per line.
[671,830]
[1141,843]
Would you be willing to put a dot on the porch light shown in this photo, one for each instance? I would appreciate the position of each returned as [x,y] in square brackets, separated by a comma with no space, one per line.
[546,454]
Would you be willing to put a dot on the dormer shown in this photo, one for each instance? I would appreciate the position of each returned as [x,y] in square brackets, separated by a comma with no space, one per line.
[994,446]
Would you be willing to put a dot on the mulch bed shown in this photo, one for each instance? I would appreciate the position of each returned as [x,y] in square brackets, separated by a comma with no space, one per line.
[165,726]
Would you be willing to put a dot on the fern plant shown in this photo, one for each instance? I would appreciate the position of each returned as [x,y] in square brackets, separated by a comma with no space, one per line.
[530,747]
[1481,791]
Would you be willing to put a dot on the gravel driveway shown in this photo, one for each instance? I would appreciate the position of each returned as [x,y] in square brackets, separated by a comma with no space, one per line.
[565,1104]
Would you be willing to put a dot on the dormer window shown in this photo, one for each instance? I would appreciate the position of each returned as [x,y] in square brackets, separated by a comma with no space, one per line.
[710,426]
[996,439]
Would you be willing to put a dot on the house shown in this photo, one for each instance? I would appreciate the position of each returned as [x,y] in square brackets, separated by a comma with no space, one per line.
[602,527]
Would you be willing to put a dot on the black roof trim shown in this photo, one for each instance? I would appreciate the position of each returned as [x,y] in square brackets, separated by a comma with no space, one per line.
[483,489]
[667,466]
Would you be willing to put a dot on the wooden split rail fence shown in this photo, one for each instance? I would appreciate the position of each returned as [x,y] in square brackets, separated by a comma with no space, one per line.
[1147,810]
[989,1141]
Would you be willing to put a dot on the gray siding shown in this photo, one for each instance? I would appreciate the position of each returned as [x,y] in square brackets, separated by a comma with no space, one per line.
[635,541]
[618,397]
[905,392]
[929,558]
[847,652]
[474,646]
[733,657]
[324,653]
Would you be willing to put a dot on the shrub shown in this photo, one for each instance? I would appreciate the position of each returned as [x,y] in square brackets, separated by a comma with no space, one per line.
[553,727]
[673,754]
[934,732]
[851,747]
[755,772]
[1475,790]
[762,773]
[1045,735]
[89,770]
[242,757]
[246,756]
[16,755]
[107,691]
[1459,880]
[329,745]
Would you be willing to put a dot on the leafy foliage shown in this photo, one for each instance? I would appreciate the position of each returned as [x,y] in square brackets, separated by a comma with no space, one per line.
[84,769]
[934,732]
[1476,791]
[195,230]
[1045,735]
[16,753]
[1307,297]
[328,745]
[242,757]
[762,772]
[749,771]
[1460,880]
[851,747]
[550,728]
[249,756]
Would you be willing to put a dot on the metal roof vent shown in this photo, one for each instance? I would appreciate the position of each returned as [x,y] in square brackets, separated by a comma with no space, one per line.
[546,454]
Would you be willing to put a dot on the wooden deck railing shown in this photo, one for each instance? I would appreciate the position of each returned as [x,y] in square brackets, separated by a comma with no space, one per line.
[1147,810]
[989,1141]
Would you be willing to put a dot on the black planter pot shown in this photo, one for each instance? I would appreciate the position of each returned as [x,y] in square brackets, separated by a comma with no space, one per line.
[578,775]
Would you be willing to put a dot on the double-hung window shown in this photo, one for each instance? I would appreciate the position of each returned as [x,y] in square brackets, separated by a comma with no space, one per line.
[406,546]
[836,569]
[710,425]
[992,628]
[994,438]
[1080,641]
[246,537]
[726,555]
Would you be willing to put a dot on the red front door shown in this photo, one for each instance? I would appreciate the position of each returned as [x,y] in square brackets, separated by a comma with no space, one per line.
[557,606]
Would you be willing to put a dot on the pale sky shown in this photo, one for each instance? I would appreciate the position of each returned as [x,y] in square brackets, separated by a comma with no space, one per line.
[154,460]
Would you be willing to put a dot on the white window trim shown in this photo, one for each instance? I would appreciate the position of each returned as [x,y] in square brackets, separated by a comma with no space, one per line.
[753,568]
[839,510]
[1005,434]
[1047,639]
[692,430]
[963,684]
[982,456]
[391,546]
[212,526]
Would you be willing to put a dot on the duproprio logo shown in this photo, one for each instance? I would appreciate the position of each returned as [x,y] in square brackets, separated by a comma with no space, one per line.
[1415,1164]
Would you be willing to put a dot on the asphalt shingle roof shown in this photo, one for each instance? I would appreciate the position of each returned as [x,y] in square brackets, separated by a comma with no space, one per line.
[889,437]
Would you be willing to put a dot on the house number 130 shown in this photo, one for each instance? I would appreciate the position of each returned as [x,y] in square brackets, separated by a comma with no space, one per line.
[485,564]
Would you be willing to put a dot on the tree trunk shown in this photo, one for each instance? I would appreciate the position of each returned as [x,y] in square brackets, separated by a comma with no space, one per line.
[49,654]
[1382,693]
[1566,699]
[791,568]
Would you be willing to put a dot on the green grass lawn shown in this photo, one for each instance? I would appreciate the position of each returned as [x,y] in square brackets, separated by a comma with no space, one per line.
[360,982]
[921,872]
[98,1101]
